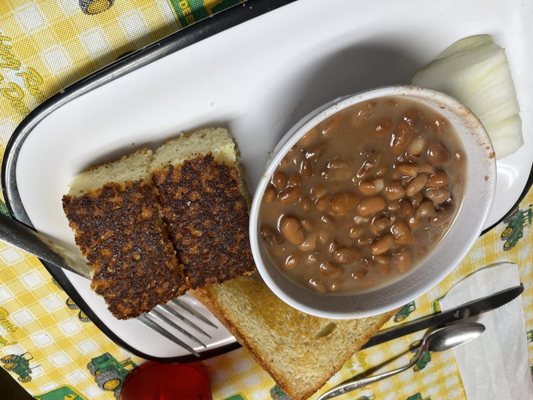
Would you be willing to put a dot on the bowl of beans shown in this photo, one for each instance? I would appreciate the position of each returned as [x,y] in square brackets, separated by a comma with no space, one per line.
[371,200]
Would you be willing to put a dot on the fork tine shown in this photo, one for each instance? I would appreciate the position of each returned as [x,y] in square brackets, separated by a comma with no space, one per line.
[194,312]
[164,318]
[145,320]
[176,314]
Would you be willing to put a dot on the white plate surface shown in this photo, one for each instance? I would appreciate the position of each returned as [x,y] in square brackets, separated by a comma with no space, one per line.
[259,78]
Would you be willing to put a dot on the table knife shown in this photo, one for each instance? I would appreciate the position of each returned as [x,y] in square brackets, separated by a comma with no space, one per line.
[467,310]
[38,244]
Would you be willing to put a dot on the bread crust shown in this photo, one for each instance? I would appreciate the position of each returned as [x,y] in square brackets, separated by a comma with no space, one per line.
[294,388]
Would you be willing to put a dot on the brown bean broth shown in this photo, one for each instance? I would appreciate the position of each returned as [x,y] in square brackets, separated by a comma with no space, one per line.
[347,244]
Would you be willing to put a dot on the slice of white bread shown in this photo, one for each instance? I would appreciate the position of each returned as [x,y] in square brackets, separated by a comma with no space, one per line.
[204,205]
[299,351]
[117,224]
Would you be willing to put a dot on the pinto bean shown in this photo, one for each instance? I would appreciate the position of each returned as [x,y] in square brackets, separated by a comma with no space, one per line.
[291,261]
[364,241]
[394,205]
[417,199]
[438,195]
[290,195]
[378,225]
[323,237]
[408,169]
[290,158]
[322,204]
[359,274]
[270,236]
[414,223]
[425,168]
[381,171]
[345,255]
[292,230]
[437,153]
[330,270]
[406,209]
[306,204]
[394,191]
[279,180]
[356,231]
[309,243]
[317,192]
[402,260]
[364,169]
[437,180]
[371,187]
[401,233]
[370,206]
[307,225]
[382,259]
[270,194]
[401,137]
[310,259]
[341,203]
[417,146]
[295,181]
[382,245]
[416,185]
[426,209]
[438,125]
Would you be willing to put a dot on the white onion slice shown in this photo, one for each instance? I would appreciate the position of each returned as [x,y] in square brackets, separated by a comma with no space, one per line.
[475,71]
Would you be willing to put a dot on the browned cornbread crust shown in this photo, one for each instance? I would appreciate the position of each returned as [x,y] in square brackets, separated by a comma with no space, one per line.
[119,229]
[207,216]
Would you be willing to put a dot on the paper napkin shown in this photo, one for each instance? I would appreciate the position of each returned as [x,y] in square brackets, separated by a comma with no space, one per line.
[495,365]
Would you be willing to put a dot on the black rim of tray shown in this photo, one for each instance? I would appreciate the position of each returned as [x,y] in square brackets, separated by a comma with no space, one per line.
[177,41]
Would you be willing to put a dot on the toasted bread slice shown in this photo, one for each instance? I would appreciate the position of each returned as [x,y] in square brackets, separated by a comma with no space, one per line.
[116,219]
[204,205]
[299,351]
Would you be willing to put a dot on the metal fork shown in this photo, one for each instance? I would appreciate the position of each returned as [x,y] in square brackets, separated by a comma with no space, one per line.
[166,319]
[164,314]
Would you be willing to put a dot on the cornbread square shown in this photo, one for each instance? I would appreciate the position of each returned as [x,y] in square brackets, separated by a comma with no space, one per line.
[204,205]
[116,219]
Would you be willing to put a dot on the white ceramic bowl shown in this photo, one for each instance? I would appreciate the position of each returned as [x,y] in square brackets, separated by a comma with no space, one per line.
[462,234]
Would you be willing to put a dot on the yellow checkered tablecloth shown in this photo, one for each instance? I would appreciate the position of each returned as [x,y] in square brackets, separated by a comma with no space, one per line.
[45,340]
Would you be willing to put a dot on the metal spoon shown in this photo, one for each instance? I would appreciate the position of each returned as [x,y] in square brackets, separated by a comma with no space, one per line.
[438,340]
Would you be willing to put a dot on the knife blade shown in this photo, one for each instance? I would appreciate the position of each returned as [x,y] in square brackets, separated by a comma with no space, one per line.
[467,310]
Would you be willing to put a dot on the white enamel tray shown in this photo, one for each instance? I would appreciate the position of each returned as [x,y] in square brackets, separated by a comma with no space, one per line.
[257,78]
